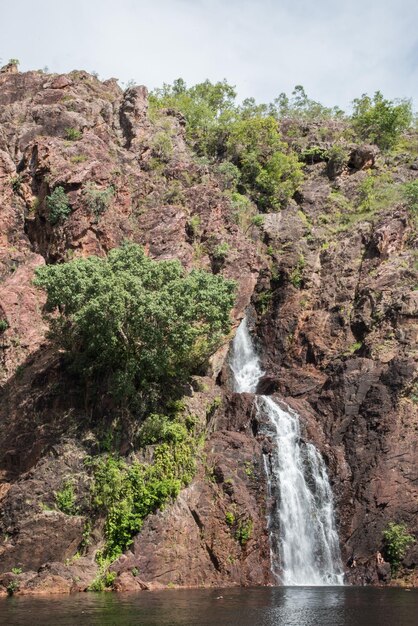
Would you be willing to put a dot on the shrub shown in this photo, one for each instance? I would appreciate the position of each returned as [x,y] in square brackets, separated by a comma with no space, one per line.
[58,206]
[193,226]
[140,325]
[16,183]
[244,531]
[220,251]
[127,493]
[314,154]
[337,159]
[207,108]
[377,192]
[299,106]
[16,570]
[397,541]
[257,220]
[103,580]
[268,174]
[410,193]
[381,121]
[158,428]
[243,210]
[228,175]
[73,134]
[78,158]
[229,518]
[162,146]
[296,275]
[65,499]
[12,587]
[98,200]
[4,325]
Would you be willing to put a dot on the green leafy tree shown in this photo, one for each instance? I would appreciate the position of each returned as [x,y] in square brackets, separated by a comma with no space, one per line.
[299,106]
[141,325]
[207,107]
[58,205]
[397,541]
[381,121]
[269,174]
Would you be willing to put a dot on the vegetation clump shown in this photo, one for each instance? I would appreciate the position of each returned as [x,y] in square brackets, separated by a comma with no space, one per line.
[397,541]
[381,121]
[73,134]
[125,493]
[242,141]
[410,194]
[58,206]
[140,325]
[98,200]
[65,499]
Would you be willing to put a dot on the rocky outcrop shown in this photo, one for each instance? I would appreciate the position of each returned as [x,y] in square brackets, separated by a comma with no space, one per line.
[331,289]
[75,132]
[340,345]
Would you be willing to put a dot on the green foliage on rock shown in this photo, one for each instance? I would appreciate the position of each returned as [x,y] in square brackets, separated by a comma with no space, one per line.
[244,530]
[98,200]
[229,518]
[269,175]
[73,134]
[13,587]
[296,275]
[104,579]
[58,206]
[143,326]
[397,541]
[381,121]
[162,146]
[125,493]
[243,141]
[300,106]
[65,499]
[207,107]
[410,193]
[16,183]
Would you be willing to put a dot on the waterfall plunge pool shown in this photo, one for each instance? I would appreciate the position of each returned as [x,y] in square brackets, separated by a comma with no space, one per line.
[271,606]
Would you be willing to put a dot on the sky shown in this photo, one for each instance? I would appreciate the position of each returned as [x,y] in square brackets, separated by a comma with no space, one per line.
[336,49]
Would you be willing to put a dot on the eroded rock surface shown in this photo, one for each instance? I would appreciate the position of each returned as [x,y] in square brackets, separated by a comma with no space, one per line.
[334,305]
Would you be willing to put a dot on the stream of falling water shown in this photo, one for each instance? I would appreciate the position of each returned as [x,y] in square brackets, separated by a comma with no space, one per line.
[303,537]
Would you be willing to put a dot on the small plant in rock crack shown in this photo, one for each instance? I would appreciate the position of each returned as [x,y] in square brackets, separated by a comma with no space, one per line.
[73,134]
[65,499]
[98,200]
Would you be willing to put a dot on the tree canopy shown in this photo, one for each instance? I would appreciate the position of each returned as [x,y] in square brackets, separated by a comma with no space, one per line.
[381,121]
[141,324]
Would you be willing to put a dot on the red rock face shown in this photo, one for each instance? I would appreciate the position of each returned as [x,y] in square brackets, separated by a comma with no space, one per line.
[341,348]
[338,335]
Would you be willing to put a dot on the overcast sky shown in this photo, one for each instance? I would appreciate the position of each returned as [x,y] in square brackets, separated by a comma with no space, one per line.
[337,49]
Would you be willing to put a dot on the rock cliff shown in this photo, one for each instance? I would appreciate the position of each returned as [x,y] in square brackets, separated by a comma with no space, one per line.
[330,283]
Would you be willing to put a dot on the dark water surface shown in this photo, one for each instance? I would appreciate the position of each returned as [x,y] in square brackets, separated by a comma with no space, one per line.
[282,606]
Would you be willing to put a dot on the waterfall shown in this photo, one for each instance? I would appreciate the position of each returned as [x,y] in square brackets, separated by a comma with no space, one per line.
[303,537]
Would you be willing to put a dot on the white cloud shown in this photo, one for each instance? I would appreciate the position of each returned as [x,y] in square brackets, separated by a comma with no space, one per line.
[336,49]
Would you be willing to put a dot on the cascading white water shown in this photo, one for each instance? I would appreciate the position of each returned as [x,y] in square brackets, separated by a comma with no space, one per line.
[303,536]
